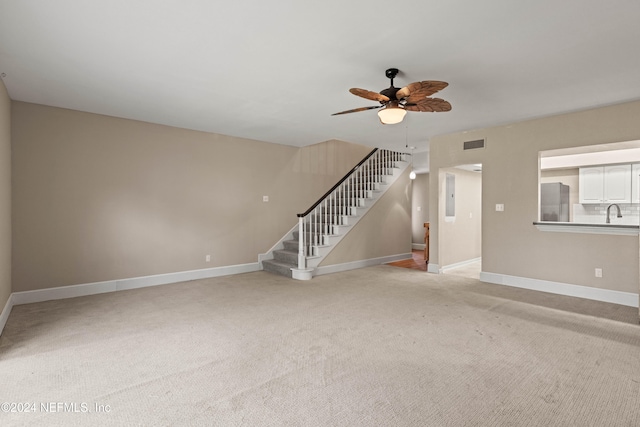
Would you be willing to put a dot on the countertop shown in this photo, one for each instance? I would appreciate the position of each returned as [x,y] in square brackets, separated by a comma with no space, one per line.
[577,227]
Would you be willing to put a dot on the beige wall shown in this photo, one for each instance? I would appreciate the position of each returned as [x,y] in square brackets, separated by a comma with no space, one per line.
[100,198]
[419,199]
[5,196]
[511,244]
[461,236]
[384,230]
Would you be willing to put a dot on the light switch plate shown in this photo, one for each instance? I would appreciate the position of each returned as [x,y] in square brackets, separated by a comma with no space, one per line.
[499,207]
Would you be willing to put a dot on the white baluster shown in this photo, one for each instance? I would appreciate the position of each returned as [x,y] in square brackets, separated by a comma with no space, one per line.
[319,226]
[332,195]
[325,227]
[315,230]
[351,189]
[376,167]
[367,174]
[341,201]
[308,234]
[359,183]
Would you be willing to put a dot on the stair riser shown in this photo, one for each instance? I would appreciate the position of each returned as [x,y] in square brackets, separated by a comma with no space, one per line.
[286,256]
[273,268]
[290,245]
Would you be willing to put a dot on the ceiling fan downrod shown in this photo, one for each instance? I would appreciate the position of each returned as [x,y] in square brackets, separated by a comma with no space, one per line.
[390,92]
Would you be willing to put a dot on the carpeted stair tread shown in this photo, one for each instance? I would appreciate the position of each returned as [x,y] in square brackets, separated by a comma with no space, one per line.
[279,267]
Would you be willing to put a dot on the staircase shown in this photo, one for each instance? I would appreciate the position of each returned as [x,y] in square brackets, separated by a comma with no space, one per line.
[328,220]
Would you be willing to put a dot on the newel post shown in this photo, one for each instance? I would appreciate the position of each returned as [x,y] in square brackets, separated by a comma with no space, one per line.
[302,260]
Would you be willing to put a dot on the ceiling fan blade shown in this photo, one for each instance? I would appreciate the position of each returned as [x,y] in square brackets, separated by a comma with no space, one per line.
[431,105]
[367,94]
[355,110]
[421,89]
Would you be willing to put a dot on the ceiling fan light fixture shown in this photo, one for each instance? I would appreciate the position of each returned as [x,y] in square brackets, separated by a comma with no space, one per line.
[391,115]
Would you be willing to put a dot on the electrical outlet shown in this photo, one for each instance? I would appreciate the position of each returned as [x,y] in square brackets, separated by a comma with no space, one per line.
[419,208]
[207,258]
[499,207]
[265,198]
[598,272]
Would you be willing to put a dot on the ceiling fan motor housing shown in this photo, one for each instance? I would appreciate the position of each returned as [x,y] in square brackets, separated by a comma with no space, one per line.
[390,92]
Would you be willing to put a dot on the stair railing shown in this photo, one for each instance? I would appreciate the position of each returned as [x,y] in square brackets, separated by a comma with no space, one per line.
[316,224]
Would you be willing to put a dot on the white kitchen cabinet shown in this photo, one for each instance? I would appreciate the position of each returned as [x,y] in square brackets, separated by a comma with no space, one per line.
[591,184]
[617,184]
[635,183]
[605,184]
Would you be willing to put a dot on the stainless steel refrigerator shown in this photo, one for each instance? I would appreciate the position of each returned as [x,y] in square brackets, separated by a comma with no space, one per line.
[554,202]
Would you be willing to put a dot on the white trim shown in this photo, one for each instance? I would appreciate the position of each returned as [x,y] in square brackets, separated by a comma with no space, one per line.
[459,264]
[616,229]
[587,292]
[418,246]
[28,297]
[184,276]
[336,268]
[4,316]
[302,273]
[71,291]
[433,268]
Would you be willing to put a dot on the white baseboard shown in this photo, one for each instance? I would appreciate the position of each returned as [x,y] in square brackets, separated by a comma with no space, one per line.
[459,264]
[336,268]
[4,316]
[433,268]
[418,246]
[579,291]
[72,291]
[184,276]
[40,295]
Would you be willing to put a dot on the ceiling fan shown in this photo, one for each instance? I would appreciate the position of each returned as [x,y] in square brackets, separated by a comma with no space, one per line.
[396,102]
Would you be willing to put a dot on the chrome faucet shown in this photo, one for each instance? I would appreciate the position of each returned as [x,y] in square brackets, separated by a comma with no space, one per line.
[609,207]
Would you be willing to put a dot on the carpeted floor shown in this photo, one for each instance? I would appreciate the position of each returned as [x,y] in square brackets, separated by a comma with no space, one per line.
[379,346]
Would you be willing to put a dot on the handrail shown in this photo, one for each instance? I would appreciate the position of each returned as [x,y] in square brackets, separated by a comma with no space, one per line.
[344,178]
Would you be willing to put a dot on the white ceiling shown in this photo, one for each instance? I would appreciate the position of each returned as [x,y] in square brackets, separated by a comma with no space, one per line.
[276,70]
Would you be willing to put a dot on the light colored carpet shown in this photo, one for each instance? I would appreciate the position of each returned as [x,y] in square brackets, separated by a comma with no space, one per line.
[379,346]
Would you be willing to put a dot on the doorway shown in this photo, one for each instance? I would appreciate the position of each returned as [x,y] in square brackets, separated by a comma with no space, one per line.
[460,220]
